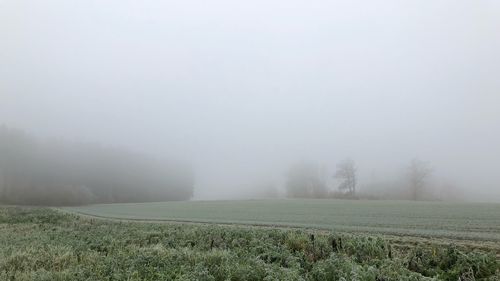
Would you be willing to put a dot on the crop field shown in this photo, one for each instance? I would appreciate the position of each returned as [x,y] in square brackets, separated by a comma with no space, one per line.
[48,244]
[459,221]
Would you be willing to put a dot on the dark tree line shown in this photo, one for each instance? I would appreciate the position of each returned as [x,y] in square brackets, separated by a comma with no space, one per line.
[62,173]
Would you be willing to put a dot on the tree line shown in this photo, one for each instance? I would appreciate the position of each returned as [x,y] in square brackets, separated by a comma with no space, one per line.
[41,172]
[308,180]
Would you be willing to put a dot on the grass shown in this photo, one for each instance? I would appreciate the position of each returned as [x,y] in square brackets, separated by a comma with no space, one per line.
[45,244]
[480,222]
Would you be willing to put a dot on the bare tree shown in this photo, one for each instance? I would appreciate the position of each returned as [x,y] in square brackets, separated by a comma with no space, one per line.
[346,171]
[418,173]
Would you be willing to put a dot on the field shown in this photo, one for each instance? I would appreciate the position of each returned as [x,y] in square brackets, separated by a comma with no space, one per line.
[47,244]
[477,222]
[252,240]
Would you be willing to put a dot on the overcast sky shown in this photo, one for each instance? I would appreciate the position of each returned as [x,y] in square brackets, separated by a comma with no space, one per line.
[242,89]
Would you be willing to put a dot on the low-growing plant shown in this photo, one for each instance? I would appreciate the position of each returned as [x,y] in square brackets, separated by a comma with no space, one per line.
[45,244]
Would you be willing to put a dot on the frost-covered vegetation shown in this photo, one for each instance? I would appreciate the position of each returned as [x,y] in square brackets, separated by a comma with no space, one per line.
[45,244]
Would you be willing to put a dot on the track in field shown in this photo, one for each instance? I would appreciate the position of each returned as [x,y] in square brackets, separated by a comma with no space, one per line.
[427,219]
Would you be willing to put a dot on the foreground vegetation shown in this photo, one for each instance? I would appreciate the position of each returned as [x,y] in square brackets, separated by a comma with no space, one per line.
[46,244]
[480,222]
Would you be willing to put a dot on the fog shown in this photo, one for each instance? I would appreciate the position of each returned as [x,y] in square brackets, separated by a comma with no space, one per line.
[244,89]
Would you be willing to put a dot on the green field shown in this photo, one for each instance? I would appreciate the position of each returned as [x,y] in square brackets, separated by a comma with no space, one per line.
[479,222]
[45,244]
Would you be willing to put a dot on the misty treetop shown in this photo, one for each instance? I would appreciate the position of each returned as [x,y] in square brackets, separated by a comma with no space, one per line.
[40,172]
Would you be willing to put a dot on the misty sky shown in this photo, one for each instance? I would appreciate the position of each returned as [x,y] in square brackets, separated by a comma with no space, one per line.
[245,88]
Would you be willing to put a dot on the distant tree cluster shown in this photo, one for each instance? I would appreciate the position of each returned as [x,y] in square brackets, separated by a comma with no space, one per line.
[418,174]
[62,173]
[306,180]
[346,172]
